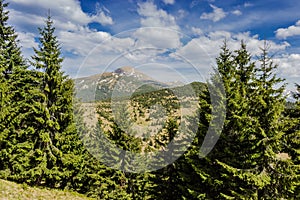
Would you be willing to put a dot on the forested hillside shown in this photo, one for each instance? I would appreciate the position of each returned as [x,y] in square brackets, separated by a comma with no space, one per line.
[46,140]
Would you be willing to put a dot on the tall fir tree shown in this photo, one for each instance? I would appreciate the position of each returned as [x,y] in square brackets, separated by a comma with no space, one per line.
[116,180]
[245,163]
[132,184]
[210,179]
[57,155]
[8,47]
[292,139]
[262,171]
[269,129]
[296,143]
[167,182]
[17,92]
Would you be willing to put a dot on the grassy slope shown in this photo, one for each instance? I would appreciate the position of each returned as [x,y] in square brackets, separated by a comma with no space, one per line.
[13,191]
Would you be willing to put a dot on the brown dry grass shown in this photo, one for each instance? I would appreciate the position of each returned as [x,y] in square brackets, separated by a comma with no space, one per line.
[14,191]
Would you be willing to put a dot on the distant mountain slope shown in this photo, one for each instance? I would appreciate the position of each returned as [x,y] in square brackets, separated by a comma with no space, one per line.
[121,82]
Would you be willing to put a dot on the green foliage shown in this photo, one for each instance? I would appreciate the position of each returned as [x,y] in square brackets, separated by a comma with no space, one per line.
[41,131]
[13,191]
[247,161]
[167,182]
[56,154]
[292,142]
[16,93]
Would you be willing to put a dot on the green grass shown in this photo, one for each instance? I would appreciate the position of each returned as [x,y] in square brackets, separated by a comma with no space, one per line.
[13,191]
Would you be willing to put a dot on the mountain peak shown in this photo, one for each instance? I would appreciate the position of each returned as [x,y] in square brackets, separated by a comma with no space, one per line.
[100,86]
[125,69]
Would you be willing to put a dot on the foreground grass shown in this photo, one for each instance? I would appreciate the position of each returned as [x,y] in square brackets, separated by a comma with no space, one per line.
[14,191]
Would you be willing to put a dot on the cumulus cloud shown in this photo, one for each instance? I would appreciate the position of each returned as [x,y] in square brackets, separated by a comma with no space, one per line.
[247,4]
[160,38]
[96,51]
[158,28]
[216,15]
[237,12]
[201,51]
[27,42]
[181,14]
[71,24]
[254,43]
[169,1]
[82,41]
[25,21]
[289,65]
[284,33]
[196,31]
[102,15]
[67,10]
[27,39]
[152,16]
[69,20]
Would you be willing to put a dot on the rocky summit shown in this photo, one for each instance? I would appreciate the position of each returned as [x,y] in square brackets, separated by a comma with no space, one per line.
[123,81]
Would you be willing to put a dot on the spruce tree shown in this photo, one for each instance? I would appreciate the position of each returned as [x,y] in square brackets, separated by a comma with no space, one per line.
[269,127]
[209,179]
[244,164]
[291,140]
[261,171]
[296,143]
[10,58]
[238,128]
[57,155]
[17,90]
[166,182]
[110,144]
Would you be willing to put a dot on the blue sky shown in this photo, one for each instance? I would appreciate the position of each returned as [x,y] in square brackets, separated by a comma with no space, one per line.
[170,39]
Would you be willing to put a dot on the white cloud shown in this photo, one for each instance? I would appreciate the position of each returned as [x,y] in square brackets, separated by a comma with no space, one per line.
[152,45]
[160,38]
[158,28]
[82,41]
[196,31]
[289,65]
[25,20]
[203,50]
[96,49]
[65,11]
[293,30]
[28,21]
[169,1]
[27,40]
[152,16]
[103,19]
[237,12]
[219,35]
[181,14]
[102,15]
[254,43]
[70,22]
[247,4]
[216,15]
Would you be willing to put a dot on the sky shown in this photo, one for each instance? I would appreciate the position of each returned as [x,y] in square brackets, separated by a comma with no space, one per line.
[170,40]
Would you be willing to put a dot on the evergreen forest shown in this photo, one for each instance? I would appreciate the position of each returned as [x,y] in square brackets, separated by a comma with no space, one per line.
[257,155]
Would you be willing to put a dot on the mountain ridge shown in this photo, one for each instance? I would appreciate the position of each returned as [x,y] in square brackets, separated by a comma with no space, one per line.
[101,86]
